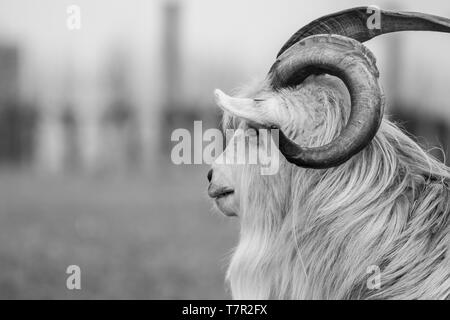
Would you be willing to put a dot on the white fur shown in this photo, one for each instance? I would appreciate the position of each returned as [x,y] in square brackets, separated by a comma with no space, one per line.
[311,234]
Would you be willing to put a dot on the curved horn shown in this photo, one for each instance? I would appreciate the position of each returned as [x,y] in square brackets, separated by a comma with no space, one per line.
[354,64]
[353,23]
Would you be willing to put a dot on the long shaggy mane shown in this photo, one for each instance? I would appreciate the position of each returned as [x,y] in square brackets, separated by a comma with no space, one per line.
[318,234]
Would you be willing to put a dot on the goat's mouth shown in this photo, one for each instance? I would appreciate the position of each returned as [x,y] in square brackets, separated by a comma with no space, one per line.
[218,193]
[223,198]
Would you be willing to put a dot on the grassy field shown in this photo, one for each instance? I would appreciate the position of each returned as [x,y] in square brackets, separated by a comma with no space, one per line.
[139,236]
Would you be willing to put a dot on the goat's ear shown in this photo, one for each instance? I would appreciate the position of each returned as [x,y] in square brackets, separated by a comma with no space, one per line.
[259,111]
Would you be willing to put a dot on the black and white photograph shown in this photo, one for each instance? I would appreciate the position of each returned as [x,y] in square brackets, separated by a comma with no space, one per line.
[218,150]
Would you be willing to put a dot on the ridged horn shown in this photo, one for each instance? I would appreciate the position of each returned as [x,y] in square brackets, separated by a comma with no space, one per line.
[332,44]
[353,23]
[354,64]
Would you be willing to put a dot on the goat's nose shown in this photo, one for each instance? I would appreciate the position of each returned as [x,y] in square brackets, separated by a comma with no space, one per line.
[209,176]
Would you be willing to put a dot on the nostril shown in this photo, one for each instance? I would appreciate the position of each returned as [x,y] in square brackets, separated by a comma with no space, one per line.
[209,176]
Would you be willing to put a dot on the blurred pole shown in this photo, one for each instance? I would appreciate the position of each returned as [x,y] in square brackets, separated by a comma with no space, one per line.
[171,53]
[17,120]
[171,71]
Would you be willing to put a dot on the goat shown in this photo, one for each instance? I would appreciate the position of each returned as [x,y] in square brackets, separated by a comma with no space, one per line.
[353,193]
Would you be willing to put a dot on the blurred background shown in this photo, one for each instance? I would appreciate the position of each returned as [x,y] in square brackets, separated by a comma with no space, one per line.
[86,117]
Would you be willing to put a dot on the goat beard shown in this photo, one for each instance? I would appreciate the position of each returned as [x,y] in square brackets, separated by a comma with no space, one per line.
[262,266]
[313,234]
